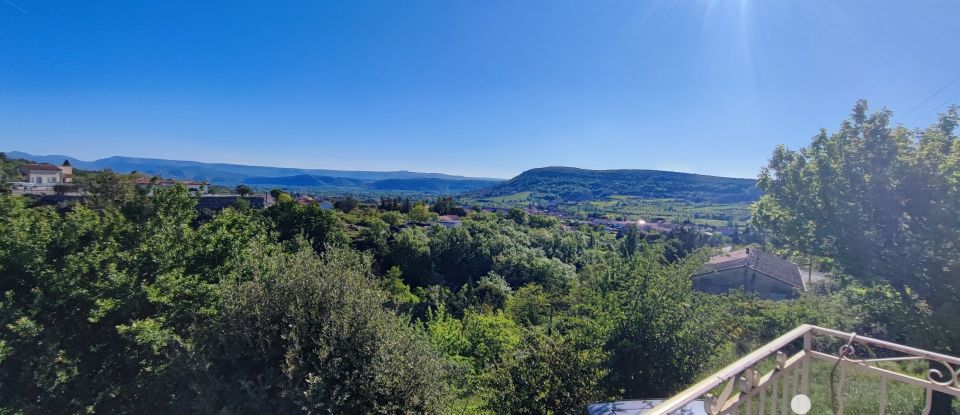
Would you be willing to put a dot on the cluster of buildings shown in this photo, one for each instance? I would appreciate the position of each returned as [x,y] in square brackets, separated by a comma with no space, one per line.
[43,179]
[205,200]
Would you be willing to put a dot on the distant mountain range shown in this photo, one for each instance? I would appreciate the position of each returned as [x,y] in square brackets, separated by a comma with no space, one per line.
[318,179]
[572,184]
[562,184]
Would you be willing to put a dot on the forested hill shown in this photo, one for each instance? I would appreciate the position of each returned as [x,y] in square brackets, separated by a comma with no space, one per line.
[571,184]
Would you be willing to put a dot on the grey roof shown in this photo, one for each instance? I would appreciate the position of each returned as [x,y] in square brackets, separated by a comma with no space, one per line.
[757,260]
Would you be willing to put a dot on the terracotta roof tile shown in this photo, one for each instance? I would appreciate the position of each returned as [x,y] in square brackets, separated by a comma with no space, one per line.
[35,167]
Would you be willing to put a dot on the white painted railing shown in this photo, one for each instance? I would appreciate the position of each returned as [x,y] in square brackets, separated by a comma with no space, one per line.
[741,388]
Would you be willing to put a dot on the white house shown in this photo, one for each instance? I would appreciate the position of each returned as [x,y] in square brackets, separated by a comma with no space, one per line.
[47,175]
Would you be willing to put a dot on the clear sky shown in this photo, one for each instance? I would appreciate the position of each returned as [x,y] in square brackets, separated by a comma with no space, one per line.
[485,88]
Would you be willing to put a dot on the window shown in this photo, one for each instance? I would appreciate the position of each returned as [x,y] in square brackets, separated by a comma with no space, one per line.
[38,180]
[51,180]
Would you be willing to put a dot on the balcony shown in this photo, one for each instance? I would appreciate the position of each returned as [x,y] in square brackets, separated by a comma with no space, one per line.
[815,364]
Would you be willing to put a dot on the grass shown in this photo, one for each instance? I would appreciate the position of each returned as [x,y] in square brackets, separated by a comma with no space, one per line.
[861,392]
[468,405]
[514,198]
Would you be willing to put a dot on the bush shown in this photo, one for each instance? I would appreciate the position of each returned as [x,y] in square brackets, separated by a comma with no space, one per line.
[550,375]
[300,333]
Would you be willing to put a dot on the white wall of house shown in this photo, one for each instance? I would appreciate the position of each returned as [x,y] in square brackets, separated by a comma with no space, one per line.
[44,177]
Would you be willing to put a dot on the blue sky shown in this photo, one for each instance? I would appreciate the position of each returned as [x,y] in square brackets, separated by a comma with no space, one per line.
[485,88]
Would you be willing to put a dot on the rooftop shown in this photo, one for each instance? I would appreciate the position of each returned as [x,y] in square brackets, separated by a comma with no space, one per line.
[757,260]
[39,167]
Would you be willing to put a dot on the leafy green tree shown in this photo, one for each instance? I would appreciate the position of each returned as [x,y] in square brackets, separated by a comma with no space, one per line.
[243,190]
[530,306]
[549,375]
[526,266]
[491,337]
[443,206]
[374,239]
[393,218]
[884,203]
[664,334]
[420,213]
[492,292]
[346,205]
[241,205]
[399,292]
[454,255]
[518,215]
[320,227]
[410,250]
[631,241]
[299,333]
[87,296]
[542,221]
[447,336]
[106,189]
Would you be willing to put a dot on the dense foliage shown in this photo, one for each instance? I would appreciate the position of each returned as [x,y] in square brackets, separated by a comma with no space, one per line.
[135,303]
[136,308]
[883,204]
[9,171]
[570,184]
[129,303]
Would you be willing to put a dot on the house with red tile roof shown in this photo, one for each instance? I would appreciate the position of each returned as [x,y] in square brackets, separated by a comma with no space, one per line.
[47,174]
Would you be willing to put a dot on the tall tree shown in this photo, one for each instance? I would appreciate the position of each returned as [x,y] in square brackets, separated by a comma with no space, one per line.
[884,202]
[243,190]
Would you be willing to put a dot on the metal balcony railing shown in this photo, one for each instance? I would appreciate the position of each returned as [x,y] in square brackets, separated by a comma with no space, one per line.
[766,380]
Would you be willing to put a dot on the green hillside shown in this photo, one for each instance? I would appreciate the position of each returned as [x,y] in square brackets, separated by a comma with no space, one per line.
[567,184]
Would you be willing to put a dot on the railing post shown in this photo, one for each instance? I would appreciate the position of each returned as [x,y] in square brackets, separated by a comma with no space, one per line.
[805,366]
[883,395]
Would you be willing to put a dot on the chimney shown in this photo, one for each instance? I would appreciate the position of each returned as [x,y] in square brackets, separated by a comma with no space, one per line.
[66,171]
